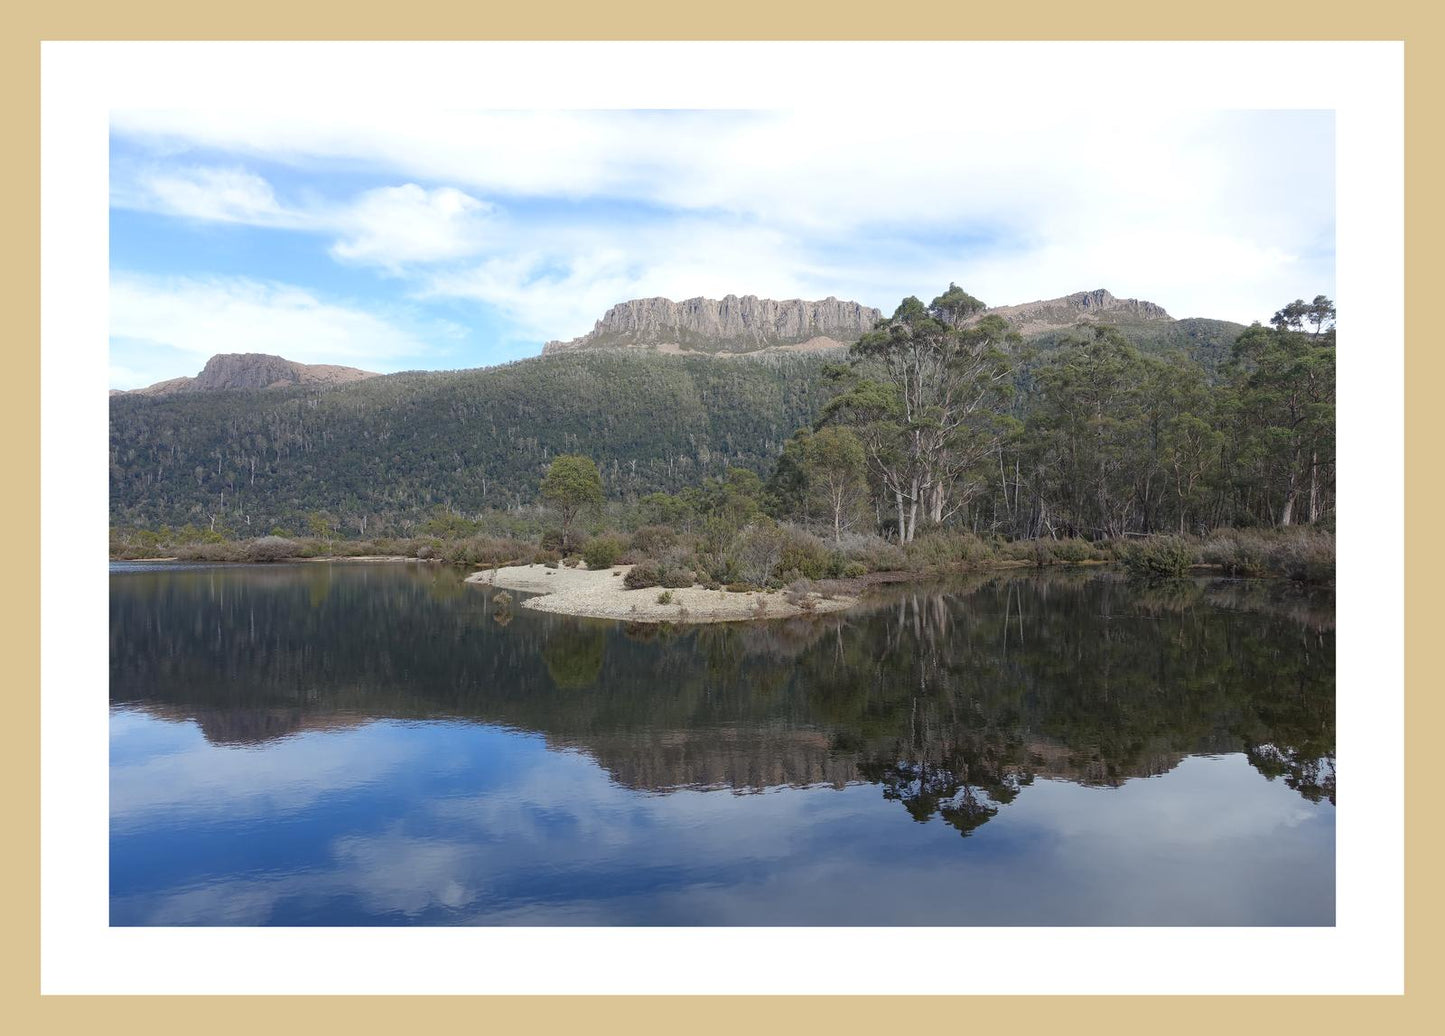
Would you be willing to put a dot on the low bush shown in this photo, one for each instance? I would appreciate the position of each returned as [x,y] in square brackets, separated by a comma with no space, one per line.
[550,558]
[665,597]
[603,551]
[1072,551]
[945,550]
[874,553]
[642,575]
[755,551]
[1303,554]
[803,556]
[653,540]
[677,577]
[486,551]
[271,548]
[1158,556]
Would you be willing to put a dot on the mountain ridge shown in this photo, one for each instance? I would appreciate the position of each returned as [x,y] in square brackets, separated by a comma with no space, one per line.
[732,324]
[252,371]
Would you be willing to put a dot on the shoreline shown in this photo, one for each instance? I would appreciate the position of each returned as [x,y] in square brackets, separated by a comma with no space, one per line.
[601,594]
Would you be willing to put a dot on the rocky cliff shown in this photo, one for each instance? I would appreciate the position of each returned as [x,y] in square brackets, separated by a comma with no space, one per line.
[731,324]
[255,371]
[1092,307]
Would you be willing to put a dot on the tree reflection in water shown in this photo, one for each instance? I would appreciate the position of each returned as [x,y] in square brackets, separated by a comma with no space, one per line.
[952,699]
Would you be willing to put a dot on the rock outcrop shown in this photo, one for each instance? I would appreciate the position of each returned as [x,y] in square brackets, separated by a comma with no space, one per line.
[731,324]
[1091,307]
[254,371]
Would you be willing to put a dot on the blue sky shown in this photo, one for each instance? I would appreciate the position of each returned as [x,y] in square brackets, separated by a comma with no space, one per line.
[443,239]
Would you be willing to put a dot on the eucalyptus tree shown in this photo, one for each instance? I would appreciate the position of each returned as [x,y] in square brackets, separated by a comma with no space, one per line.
[1284,380]
[572,485]
[925,396]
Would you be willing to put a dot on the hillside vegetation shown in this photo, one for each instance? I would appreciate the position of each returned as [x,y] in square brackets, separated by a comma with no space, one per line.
[394,448]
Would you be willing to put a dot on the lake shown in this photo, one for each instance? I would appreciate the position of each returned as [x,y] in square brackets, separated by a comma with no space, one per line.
[355,744]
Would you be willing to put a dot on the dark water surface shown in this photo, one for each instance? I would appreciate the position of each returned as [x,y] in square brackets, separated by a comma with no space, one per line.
[373,744]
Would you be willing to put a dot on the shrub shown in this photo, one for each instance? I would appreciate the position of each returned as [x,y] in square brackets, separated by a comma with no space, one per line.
[546,557]
[1158,556]
[756,550]
[643,574]
[653,540]
[804,555]
[1071,551]
[488,551]
[502,599]
[603,551]
[553,540]
[873,552]
[665,597]
[943,549]
[271,548]
[1237,555]
[854,569]
[571,561]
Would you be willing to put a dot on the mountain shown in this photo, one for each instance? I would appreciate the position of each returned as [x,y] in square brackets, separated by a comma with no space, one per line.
[1090,307]
[253,371]
[729,325]
[644,394]
[1054,322]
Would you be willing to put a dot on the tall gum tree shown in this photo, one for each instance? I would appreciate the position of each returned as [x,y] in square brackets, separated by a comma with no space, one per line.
[935,409]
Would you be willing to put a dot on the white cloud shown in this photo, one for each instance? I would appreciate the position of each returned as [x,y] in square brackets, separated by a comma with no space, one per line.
[396,226]
[200,317]
[390,227]
[1222,214]
[227,195]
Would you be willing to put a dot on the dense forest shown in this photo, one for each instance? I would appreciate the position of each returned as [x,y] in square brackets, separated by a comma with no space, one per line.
[942,416]
[382,455]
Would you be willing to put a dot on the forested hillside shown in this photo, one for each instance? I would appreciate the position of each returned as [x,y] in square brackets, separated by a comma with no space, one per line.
[1154,424]
[390,449]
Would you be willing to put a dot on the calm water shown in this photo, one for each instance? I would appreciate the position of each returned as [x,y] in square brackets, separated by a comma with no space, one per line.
[376,744]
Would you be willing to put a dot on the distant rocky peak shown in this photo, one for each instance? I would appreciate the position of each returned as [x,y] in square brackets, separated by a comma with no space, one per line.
[255,371]
[1098,306]
[732,324]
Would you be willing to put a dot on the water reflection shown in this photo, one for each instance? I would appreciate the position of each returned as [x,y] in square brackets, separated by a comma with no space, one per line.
[378,718]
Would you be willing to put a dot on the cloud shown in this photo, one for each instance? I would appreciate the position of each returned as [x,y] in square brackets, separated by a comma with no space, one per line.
[396,226]
[390,227]
[200,317]
[1205,213]
[219,194]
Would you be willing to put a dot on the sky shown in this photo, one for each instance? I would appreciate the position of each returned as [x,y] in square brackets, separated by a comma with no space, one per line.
[448,238]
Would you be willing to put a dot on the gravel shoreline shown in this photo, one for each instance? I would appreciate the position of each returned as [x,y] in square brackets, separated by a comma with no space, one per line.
[601,594]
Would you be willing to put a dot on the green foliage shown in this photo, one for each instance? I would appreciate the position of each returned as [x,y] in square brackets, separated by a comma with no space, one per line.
[1158,556]
[271,548]
[653,540]
[941,550]
[665,597]
[603,551]
[642,575]
[802,556]
[572,486]
[755,552]
[389,450]
[1092,436]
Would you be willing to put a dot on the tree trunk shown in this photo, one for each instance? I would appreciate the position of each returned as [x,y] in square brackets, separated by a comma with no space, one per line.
[1314,486]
